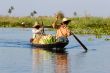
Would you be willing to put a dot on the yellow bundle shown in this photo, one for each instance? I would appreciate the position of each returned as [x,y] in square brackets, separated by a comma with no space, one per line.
[36,40]
[47,39]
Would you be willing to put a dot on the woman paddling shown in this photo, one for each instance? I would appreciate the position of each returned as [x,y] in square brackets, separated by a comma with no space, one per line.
[62,31]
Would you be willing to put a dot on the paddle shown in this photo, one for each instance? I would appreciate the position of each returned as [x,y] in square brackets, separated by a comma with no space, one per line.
[42,25]
[85,48]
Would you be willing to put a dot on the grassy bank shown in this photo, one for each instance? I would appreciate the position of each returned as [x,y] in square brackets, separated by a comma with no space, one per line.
[91,25]
[80,25]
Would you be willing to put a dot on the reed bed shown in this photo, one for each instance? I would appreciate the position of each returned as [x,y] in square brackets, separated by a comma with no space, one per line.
[80,25]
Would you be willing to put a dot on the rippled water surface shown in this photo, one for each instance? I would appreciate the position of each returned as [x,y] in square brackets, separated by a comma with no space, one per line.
[17,55]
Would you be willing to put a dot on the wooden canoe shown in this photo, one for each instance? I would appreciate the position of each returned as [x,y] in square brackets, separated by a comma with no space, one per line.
[54,45]
[58,46]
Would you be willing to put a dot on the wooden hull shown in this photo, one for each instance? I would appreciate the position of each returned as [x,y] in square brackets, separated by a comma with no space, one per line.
[55,45]
[58,46]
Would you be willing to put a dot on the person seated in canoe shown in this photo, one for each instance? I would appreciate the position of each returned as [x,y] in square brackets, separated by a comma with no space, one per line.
[62,31]
[39,37]
[37,31]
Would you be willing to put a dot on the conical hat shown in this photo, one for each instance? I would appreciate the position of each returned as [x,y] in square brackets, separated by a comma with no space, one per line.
[65,19]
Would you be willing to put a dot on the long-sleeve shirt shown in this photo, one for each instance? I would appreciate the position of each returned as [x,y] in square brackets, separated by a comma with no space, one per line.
[37,31]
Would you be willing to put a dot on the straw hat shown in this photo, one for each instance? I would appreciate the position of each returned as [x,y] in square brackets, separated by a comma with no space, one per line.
[36,24]
[65,20]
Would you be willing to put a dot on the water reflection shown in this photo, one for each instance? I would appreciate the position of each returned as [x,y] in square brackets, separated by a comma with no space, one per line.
[61,61]
[49,62]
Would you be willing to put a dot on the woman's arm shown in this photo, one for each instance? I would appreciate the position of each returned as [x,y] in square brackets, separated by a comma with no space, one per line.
[54,24]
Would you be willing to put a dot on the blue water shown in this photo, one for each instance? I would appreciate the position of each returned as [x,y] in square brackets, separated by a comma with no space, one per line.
[17,55]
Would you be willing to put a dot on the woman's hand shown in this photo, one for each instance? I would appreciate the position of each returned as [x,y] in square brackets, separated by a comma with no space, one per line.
[56,17]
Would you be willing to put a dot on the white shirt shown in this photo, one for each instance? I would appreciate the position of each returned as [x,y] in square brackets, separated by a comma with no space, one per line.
[37,31]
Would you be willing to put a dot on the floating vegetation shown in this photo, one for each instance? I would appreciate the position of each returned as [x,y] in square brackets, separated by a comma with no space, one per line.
[107,39]
[90,39]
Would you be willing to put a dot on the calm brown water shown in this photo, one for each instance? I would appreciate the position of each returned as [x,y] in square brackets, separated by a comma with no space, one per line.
[17,56]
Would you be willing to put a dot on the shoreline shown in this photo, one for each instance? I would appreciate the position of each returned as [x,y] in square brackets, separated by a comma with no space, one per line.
[80,25]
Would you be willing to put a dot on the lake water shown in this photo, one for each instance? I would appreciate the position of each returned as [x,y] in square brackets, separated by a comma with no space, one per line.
[17,55]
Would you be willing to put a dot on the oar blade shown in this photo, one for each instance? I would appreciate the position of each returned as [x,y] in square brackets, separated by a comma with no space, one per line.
[85,48]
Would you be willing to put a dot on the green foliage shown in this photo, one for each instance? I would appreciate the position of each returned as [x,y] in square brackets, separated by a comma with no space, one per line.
[7,21]
[90,25]
[47,39]
[107,39]
[79,25]
[60,15]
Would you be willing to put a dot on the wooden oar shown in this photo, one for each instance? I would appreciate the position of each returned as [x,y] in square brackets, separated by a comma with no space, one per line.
[85,48]
[42,25]
[48,27]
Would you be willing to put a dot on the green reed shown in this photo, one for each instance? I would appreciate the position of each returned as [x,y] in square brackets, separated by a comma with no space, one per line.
[80,25]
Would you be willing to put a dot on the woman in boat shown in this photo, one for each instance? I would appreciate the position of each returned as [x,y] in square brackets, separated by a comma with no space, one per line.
[37,31]
[62,30]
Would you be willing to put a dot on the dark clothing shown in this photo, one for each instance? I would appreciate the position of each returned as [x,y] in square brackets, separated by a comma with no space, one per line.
[63,39]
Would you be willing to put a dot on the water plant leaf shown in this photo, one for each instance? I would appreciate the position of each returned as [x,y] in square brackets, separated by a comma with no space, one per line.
[107,39]
[90,39]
